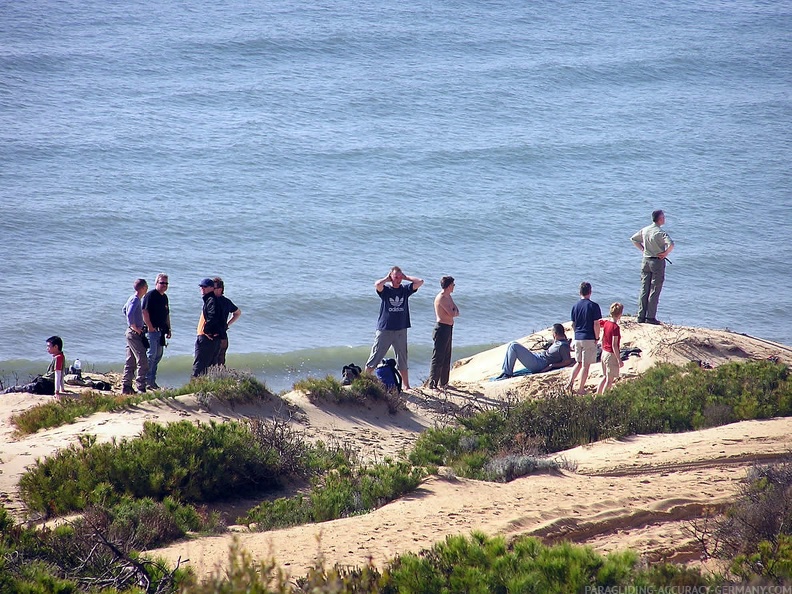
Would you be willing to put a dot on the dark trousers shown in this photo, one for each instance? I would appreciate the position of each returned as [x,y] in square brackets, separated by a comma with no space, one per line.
[221,352]
[652,278]
[441,355]
[205,354]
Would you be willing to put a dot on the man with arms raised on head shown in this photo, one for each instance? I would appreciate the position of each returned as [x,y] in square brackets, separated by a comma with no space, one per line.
[393,321]
[156,315]
[585,322]
[655,245]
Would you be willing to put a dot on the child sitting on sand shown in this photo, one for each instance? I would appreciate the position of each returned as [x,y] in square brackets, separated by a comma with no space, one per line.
[52,381]
[611,353]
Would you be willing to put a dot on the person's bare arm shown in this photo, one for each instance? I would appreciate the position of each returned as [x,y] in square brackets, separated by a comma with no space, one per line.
[168,334]
[234,316]
[380,284]
[416,282]
[597,329]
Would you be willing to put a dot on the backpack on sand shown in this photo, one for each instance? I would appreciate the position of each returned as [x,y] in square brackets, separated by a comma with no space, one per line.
[387,373]
[350,373]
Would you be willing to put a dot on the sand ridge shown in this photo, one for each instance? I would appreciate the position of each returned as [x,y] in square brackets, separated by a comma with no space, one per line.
[639,492]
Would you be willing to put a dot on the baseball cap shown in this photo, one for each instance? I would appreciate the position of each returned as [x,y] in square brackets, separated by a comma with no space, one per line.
[207,282]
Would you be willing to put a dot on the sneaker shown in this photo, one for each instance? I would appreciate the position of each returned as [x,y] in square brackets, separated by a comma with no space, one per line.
[504,376]
[654,321]
[642,320]
[127,391]
[140,390]
[153,386]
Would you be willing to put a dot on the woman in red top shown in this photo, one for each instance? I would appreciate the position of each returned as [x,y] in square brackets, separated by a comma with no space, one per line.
[611,355]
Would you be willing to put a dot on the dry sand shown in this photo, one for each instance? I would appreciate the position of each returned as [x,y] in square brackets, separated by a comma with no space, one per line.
[638,493]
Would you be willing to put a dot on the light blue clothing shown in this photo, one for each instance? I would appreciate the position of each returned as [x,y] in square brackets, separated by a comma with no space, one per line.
[535,362]
[133,311]
[155,352]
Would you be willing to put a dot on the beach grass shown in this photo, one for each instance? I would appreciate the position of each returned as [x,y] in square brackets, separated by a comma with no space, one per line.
[364,388]
[228,386]
[342,492]
[666,399]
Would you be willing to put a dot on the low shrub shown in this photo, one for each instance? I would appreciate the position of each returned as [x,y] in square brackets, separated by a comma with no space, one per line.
[94,552]
[194,463]
[341,492]
[67,410]
[666,399]
[755,533]
[365,387]
[476,565]
[226,385]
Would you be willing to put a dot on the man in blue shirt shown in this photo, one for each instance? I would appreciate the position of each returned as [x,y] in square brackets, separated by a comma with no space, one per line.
[136,357]
[394,319]
[585,322]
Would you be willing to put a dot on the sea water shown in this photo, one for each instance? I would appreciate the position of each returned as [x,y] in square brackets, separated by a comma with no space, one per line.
[299,150]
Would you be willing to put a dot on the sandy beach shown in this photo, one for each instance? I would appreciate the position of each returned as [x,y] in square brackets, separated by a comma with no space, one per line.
[637,493]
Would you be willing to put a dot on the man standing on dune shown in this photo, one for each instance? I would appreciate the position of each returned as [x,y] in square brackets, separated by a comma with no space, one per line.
[585,323]
[393,321]
[210,327]
[655,245]
[156,315]
[445,312]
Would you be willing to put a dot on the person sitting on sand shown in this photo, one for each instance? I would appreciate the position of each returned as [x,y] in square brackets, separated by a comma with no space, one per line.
[557,356]
[611,351]
[52,381]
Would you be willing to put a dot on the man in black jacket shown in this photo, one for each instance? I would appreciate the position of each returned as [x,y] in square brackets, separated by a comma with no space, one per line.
[210,328]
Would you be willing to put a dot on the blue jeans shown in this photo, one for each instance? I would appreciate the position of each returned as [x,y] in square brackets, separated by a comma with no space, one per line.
[515,351]
[155,351]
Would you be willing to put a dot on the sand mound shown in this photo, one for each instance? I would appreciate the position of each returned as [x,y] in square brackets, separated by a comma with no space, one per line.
[638,492]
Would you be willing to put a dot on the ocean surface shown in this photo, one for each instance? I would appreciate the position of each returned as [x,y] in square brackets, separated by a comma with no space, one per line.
[300,149]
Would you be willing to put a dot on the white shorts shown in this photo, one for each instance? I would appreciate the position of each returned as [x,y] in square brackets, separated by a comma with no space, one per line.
[585,351]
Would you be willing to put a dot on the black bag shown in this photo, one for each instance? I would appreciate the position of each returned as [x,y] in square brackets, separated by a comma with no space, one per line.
[162,339]
[146,341]
[350,373]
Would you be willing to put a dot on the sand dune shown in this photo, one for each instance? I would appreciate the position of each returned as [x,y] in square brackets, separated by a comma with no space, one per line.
[638,493]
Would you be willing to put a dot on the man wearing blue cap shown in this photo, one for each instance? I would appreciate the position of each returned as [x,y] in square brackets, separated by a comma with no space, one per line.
[210,327]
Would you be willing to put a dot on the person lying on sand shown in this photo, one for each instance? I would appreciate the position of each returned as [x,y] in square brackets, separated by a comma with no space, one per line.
[557,356]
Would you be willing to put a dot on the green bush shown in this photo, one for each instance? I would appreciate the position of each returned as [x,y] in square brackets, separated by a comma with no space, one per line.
[341,492]
[194,463]
[67,410]
[365,387]
[666,399]
[226,385]
[229,386]
[475,565]
[94,552]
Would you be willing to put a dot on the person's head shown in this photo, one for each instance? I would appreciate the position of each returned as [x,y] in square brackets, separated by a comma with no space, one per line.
[396,276]
[54,345]
[162,282]
[585,289]
[558,332]
[141,286]
[447,281]
[658,217]
[616,310]
[207,286]
[219,286]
